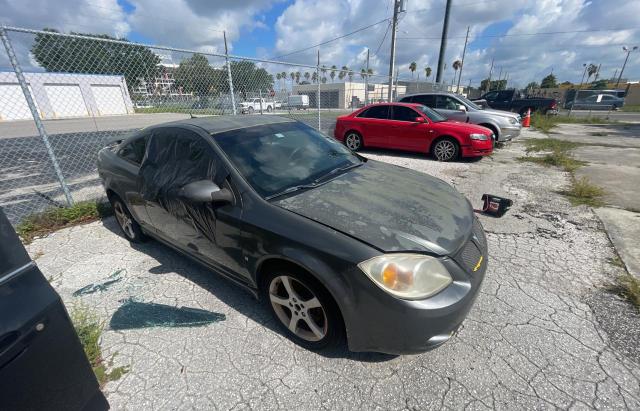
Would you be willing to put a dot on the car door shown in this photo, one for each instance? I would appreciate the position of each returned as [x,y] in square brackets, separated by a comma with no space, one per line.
[126,175]
[502,100]
[450,108]
[375,125]
[406,132]
[210,232]
[42,363]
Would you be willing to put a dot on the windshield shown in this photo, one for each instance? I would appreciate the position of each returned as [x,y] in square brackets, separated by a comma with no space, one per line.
[468,102]
[432,114]
[275,157]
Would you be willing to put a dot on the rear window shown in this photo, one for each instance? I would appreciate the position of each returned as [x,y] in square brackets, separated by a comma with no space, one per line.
[425,100]
[380,112]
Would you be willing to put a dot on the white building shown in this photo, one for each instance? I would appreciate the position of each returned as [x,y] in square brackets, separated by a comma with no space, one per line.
[347,94]
[64,95]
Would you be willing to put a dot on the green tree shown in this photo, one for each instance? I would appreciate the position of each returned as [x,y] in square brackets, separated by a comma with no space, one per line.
[324,79]
[314,77]
[297,77]
[293,77]
[333,72]
[532,85]
[457,65]
[591,70]
[195,75]
[74,55]
[343,72]
[427,72]
[307,76]
[495,84]
[412,68]
[247,77]
[363,73]
[549,81]
[599,85]
[350,74]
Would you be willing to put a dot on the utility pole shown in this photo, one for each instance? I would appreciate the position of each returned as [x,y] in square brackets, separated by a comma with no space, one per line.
[464,51]
[506,81]
[575,96]
[628,51]
[366,81]
[230,79]
[499,78]
[489,81]
[318,99]
[392,59]
[597,73]
[443,42]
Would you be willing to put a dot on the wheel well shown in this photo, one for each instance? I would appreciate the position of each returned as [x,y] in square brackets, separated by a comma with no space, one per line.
[491,127]
[443,138]
[111,194]
[273,264]
[352,131]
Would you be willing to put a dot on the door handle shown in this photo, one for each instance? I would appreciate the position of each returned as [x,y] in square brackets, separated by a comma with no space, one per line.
[8,340]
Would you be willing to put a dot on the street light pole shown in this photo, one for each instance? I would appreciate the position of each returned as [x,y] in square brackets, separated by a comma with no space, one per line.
[464,51]
[628,51]
[392,58]
[443,42]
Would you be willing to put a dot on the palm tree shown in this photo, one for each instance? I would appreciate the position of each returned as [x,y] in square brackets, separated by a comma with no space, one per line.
[297,77]
[314,77]
[412,67]
[591,70]
[350,74]
[457,65]
[427,72]
[363,73]
[343,72]
[283,76]
[324,79]
[307,75]
[333,72]
[293,77]
[323,69]
[278,76]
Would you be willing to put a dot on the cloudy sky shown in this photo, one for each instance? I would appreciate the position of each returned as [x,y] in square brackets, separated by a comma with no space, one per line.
[527,39]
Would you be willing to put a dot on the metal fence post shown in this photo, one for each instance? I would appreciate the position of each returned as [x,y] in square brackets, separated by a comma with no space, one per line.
[318,97]
[34,112]
[229,78]
[260,94]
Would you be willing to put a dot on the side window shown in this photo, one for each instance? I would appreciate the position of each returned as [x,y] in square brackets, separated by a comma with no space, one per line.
[491,95]
[134,151]
[447,103]
[503,95]
[379,112]
[426,100]
[401,113]
[408,99]
[176,157]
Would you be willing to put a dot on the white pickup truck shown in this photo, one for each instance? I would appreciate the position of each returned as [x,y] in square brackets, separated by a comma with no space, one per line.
[254,104]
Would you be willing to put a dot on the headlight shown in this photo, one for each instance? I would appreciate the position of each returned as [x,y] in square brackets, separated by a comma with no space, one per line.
[407,276]
[478,137]
[513,120]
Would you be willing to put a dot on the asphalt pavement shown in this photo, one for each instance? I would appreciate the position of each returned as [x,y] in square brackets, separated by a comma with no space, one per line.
[543,334]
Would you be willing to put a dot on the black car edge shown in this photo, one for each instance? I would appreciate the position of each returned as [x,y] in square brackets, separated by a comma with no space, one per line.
[334,244]
[42,363]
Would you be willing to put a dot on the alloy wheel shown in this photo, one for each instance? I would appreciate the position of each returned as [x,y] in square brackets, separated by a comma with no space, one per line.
[444,150]
[126,223]
[298,308]
[353,141]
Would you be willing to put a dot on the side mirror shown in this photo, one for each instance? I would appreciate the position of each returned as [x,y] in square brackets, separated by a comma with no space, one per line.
[206,191]
[462,107]
[420,120]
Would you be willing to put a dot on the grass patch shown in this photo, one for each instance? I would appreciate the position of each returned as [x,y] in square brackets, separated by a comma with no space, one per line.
[582,191]
[550,144]
[556,159]
[56,218]
[545,123]
[89,329]
[632,108]
[616,261]
[628,287]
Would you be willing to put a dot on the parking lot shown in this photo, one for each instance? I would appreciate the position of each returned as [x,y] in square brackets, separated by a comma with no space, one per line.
[544,333]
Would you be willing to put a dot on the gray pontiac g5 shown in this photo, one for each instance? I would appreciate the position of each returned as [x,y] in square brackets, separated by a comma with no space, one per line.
[336,246]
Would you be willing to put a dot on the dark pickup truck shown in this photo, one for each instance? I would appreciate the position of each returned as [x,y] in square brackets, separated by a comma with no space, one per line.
[513,100]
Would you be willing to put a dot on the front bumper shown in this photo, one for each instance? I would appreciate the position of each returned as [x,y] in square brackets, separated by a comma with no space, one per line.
[383,323]
[477,148]
[509,133]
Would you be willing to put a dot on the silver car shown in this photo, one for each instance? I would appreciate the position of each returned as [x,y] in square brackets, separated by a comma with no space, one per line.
[505,125]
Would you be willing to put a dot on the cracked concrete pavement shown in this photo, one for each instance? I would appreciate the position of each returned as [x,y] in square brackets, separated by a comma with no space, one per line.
[538,336]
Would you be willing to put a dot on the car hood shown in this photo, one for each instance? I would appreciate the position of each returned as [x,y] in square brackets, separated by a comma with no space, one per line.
[463,127]
[389,207]
[499,113]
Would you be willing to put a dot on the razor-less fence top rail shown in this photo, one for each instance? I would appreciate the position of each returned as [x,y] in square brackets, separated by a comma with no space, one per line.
[64,96]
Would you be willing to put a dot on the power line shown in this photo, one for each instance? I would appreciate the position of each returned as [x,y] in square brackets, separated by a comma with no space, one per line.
[332,40]
[519,34]
[383,39]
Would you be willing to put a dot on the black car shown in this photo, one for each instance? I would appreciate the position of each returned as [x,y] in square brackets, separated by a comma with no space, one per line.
[333,243]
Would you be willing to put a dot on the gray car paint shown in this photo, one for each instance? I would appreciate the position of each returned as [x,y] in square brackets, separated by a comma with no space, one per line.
[390,207]
[496,118]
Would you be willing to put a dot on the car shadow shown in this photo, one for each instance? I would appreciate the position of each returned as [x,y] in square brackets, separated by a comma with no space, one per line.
[236,297]
[411,155]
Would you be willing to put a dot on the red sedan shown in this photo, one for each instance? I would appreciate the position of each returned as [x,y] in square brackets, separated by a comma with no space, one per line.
[412,127]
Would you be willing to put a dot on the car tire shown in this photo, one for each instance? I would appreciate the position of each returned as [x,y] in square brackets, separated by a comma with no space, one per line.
[303,308]
[445,149]
[250,110]
[128,225]
[269,109]
[353,141]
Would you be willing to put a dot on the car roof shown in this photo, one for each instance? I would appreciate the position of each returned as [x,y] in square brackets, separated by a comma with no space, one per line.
[394,103]
[220,124]
[431,93]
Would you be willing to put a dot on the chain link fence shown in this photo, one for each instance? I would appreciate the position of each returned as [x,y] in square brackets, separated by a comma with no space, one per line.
[65,96]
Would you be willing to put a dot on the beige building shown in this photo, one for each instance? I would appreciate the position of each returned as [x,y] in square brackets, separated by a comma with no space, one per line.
[346,95]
